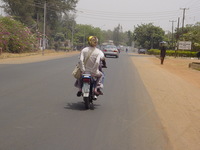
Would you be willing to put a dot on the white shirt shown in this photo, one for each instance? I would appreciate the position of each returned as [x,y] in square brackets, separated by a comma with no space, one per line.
[93,62]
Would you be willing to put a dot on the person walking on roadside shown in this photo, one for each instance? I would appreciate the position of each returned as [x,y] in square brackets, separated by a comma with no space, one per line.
[198,54]
[162,51]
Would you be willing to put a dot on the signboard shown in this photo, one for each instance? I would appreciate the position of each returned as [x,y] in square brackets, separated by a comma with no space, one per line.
[184,45]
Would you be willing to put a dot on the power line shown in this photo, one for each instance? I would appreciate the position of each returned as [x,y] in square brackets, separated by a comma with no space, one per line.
[126,13]
[191,3]
[129,17]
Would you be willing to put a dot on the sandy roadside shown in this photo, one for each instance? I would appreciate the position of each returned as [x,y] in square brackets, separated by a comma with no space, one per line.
[174,89]
[38,57]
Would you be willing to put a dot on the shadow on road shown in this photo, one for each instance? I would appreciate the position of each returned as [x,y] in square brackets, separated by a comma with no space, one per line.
[79,106]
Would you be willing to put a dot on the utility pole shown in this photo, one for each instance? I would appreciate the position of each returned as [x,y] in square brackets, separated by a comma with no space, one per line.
[172,33]
[177,36]
[84,38]
[100,40]
[72,35]
[1,11]
[44,28]
[183,16]
[178,26]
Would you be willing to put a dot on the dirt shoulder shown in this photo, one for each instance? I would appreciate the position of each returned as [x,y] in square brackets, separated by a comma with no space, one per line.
[28,58]
[174,89]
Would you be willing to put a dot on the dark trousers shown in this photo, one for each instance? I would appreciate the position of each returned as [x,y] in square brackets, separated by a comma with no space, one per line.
[162,60]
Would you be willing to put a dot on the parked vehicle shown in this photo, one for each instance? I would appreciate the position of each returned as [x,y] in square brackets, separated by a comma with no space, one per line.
[141,51]
[111,50]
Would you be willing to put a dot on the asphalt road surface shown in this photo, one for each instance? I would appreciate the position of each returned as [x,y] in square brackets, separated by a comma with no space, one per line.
[39,109]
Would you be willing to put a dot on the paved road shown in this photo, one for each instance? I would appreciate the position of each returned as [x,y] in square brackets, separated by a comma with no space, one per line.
[39,109]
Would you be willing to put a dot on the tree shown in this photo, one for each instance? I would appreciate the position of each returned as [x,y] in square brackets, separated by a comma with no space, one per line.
[117,34]
[190,33]
[31,12]
[148,36]
[82,32]
[108,35]
[59,37]
[130,37]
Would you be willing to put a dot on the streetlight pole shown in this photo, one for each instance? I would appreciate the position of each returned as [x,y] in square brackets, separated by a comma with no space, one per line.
[84,38]
[100,34]
[44,28]
[72,34]
[1,11]
[172,32]
[183,16]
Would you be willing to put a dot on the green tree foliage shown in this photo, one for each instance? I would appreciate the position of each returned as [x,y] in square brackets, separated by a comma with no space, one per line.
[148,36]
[22,10]
[31,12]
[190,33]
[108,35]
[15,37]
[119,37]
[67,25]
[130,38]
[82,32]
[59,37]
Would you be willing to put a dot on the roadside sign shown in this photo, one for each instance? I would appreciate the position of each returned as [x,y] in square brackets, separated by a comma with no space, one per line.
[184,45]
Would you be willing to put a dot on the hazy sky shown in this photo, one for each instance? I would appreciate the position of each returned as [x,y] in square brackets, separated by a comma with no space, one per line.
[107,14]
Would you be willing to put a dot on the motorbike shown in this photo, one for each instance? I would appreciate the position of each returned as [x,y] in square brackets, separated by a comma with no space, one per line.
[88,84]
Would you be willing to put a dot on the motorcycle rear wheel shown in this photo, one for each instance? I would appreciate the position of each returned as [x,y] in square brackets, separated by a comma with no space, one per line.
[87,102]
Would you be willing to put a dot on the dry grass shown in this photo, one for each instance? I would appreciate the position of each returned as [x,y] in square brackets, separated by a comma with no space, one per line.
[8,58]
[11,55]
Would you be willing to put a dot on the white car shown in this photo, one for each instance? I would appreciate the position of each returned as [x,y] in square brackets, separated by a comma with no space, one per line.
[110,50]
[142,51]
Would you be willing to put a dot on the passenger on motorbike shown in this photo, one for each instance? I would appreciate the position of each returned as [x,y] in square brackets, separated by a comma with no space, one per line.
[92,65]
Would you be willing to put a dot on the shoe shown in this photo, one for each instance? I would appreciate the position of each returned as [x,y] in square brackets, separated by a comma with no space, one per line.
[79,93]
[96,93]
[100,92]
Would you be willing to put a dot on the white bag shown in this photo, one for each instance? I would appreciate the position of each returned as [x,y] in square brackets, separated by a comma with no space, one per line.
[77,72]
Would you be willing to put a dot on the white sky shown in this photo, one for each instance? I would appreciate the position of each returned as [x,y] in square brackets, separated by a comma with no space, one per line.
[107,14]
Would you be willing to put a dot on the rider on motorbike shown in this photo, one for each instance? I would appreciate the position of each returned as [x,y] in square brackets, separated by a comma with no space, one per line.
[92,65]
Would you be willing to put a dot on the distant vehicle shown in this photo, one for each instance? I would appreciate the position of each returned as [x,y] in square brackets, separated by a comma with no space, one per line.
[110,50]
[142,51]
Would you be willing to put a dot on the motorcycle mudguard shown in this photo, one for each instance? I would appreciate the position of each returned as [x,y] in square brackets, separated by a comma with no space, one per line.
[86,85]
[86,89]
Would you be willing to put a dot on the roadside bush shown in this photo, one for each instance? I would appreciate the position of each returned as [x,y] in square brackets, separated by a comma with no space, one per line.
[153,52]
[65,48]
[15,37]
[4,36]
[177,53]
